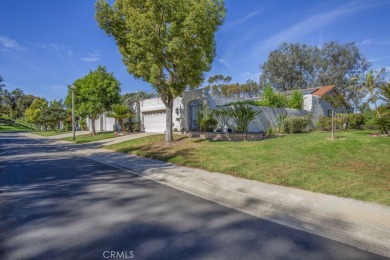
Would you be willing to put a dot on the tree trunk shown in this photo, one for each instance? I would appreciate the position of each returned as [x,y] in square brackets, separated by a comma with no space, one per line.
[93,118]
[120,120]
[376,108]
[168,133]
[332,124]
[138,111]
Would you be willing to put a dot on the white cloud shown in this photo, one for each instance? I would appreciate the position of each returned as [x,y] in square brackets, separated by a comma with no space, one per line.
[57,47]
[311,24]
[222,61]
[379,58]
[243,19]
[49,46]
[92,57]
[366,42]
[8,43]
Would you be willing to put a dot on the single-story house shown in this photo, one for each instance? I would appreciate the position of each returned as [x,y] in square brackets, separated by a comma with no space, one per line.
[153,116]
[102,123]
[315,101]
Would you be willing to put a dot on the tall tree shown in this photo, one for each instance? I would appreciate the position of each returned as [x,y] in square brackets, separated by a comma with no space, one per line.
[337,65]
[54,113]
[384,94]
[168,43]
[95,93]
[216,82]
[33,113]
[294,66]
[2,85]
[372,84]
[250,89]
[220,85]
[289,67]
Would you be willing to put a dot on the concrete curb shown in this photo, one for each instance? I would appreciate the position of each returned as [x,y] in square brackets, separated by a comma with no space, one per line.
[360,224]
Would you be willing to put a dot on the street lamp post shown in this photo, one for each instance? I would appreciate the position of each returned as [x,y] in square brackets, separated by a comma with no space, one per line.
[73,121]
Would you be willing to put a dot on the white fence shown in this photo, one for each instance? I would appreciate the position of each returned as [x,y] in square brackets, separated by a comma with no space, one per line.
[268,117]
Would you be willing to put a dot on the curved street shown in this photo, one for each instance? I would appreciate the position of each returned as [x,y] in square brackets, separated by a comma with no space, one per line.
[55,204]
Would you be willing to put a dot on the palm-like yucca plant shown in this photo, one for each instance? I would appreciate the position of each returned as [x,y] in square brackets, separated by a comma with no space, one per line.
[385,94]
[242,115]
[372,84]
[120,112]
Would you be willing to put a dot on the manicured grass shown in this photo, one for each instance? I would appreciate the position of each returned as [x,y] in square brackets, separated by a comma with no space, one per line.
[356,165]
[10,128]
[9,125]
[51,132]
[90,138]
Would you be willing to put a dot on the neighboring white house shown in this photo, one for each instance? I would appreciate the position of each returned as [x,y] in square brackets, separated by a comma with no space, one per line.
[153,116]
[316,103]
[102,123]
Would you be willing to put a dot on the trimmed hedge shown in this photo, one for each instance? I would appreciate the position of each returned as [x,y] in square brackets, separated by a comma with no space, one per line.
[294,124]
[355,121]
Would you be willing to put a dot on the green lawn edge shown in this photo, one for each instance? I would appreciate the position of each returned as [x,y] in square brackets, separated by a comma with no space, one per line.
[355,165]
[87,138]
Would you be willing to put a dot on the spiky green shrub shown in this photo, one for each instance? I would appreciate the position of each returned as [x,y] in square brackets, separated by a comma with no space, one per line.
[120,112]
[242,115]
[208,124]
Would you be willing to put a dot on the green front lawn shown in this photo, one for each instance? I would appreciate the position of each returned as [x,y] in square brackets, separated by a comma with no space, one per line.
[90,138]
[11,128]
[51,132]
[9,125]
[356,165]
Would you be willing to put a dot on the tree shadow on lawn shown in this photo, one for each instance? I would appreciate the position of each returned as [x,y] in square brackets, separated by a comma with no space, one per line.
[160,153]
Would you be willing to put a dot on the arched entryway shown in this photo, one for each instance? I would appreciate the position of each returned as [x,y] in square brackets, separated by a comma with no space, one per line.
[194,106]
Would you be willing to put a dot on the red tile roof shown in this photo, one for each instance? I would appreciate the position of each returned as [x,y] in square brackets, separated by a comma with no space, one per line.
[321,91]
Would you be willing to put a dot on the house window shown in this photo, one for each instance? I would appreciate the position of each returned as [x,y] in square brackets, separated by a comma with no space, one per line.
[329,114]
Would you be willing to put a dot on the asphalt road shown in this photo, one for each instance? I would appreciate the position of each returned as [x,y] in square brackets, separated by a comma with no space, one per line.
[57,205]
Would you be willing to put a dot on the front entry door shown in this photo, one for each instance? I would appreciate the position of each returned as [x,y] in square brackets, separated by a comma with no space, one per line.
[195,106]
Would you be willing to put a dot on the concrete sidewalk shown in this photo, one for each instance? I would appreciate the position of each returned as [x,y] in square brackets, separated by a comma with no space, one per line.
[360,224]
[108,141]
[122,138]
[61,136]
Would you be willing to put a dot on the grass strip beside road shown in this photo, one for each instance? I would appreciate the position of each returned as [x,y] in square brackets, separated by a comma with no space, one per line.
[87,138]
[50,132]
[10,125]
[355,166]
[10,128]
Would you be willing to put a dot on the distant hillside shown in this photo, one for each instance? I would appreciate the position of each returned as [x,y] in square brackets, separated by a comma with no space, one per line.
[9,125]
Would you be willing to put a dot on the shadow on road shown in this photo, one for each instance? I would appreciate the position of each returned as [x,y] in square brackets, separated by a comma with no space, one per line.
[55,205]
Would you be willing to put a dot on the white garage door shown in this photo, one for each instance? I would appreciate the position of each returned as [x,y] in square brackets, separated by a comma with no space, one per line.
[154,122]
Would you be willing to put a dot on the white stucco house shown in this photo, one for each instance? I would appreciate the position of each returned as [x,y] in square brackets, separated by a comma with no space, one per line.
[315,101]
[102,123]
[153,115]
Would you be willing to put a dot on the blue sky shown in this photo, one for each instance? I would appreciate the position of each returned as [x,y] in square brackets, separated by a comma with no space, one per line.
[46,44]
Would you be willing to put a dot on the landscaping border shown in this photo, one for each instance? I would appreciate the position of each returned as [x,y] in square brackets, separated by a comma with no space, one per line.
[226,136]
